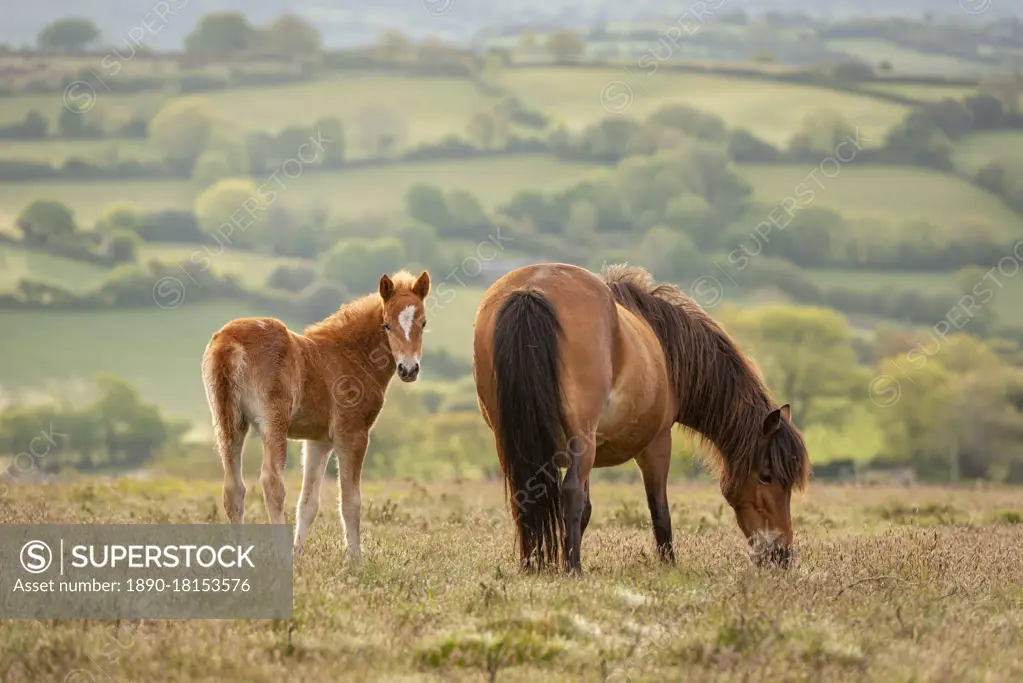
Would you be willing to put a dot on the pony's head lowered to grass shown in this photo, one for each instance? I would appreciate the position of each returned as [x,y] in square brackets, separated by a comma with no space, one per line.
[762,497]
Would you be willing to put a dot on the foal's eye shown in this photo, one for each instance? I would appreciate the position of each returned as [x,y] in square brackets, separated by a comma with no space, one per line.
[424,324]
[387,326]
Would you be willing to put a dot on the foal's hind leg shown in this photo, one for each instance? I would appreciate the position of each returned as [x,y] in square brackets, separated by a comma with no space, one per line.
[653,464]
[314,463]
[275,454]
[230,440]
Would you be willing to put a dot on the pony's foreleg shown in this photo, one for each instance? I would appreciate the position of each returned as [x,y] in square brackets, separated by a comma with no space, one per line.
[314,464]
[653,464]
[351,451]
[271,476]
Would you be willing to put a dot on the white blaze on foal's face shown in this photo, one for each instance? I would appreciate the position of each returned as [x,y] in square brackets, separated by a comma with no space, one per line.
[405,319]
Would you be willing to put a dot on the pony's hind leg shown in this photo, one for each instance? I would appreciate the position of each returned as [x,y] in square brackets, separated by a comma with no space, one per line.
[314,464]
[587,507]
[271,476]
[653,464]
[574,495]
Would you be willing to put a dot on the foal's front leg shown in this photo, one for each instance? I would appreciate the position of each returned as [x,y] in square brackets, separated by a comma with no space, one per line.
[351,451]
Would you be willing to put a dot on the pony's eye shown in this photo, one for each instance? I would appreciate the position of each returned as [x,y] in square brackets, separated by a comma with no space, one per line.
[765,478]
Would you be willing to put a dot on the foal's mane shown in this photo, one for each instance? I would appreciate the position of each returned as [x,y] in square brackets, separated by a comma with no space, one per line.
[722,397]
[362,315]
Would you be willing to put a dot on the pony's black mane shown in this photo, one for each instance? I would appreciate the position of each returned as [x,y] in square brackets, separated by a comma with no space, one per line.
[722,397]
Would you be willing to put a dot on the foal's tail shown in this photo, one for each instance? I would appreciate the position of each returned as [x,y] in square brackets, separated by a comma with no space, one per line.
[529,420]
[220,369]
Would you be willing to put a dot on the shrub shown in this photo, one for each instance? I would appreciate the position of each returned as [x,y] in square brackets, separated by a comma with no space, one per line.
[119,216]
[231,208]
[358,264]
[291,278]
[123,246]
[319,300]
[169,226]
[45,220]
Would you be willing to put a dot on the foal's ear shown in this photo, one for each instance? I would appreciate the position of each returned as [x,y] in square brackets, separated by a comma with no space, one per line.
[386,287]
[773,420]
[422,286]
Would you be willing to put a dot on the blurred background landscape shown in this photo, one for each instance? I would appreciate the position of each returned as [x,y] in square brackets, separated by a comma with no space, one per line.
[839,183]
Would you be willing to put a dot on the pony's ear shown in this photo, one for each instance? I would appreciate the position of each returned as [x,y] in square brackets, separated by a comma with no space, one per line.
[786,412]
[386,287]
[773,420]
[422,286]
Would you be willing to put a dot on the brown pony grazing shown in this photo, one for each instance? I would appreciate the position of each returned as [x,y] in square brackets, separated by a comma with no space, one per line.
[578,371]
[325,386]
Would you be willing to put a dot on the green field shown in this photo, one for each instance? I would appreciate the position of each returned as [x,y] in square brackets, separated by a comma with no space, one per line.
[870,280]
[17,263]
[100,152]
[157,350]
[929,93]
[160,350]
[905,61]
[378,191]
[426,109]
[972,152]
[892,584]
[252,267]
[772,111]
[892,193]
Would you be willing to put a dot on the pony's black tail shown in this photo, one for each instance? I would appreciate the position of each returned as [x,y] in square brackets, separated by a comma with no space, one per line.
[530,422]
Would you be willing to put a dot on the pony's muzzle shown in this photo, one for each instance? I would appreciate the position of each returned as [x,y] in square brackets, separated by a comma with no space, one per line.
[408,373]
[771,549]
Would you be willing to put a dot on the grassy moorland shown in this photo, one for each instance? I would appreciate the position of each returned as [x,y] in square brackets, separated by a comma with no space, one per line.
[915,584]
[772,111]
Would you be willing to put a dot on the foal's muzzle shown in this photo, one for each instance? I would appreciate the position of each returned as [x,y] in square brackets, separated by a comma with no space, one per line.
[408,373]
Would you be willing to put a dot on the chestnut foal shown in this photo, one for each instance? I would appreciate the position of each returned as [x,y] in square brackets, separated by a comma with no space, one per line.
[325,386]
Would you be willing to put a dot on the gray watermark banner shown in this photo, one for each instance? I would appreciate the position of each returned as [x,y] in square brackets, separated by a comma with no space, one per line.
[145,571]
